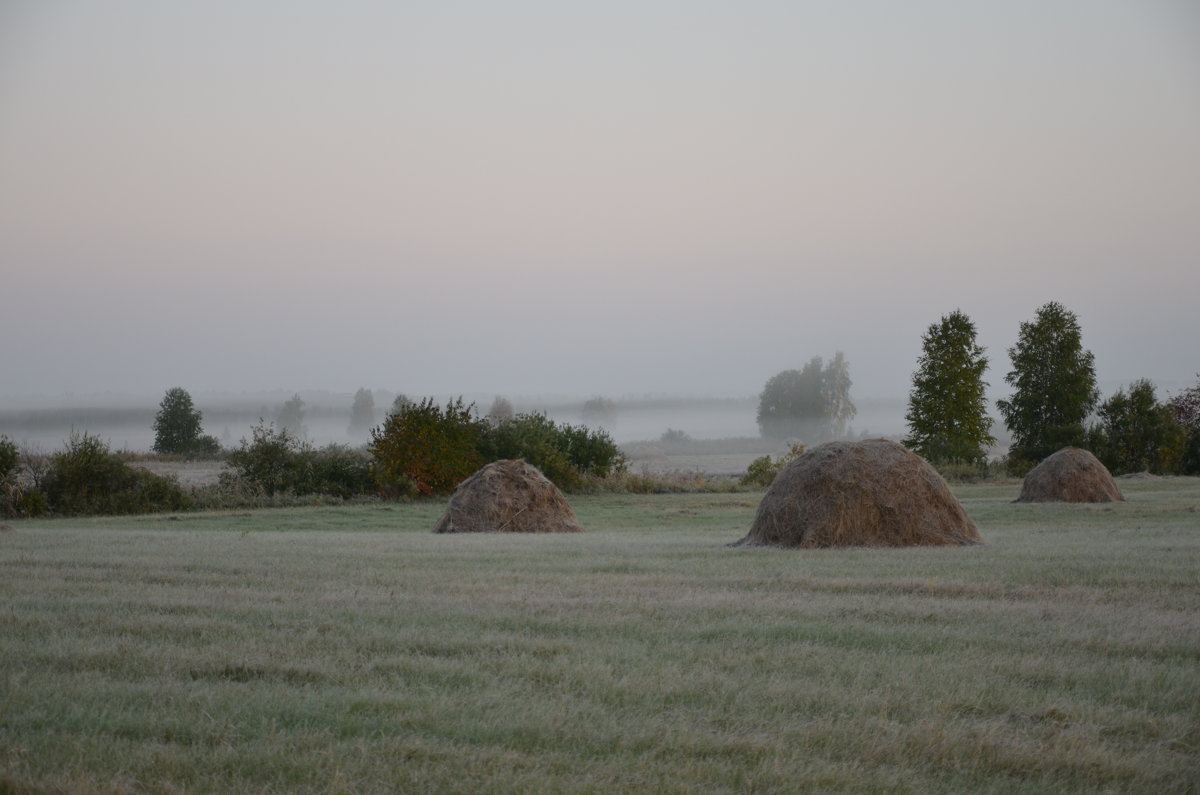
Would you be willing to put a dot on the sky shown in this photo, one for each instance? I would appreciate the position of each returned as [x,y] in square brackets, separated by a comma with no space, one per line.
[587,198]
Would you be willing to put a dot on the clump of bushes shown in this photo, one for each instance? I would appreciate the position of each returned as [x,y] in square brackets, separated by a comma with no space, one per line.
[86,477]
[275,461]
[566,454]
[762,470]
[422,448]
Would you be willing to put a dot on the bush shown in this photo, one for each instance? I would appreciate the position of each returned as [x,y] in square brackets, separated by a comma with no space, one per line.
[87,478]
[336,470]
[762,470]
[268,461]
[276,462]
[423,449]
[566,454]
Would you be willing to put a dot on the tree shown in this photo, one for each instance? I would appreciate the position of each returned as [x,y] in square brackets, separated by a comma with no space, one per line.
[1136,433]
[362,413]
[501,411]
[291,416]
[599,411]
[400,403]
[947,407]
[835,388]
[813,402]
[1054,380]
[177,426]
[1187,413]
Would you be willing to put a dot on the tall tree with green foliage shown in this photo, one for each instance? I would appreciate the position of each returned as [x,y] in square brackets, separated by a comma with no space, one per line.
[177,426]
[1054,382]
[811,403]
[947,407]
[1136,433]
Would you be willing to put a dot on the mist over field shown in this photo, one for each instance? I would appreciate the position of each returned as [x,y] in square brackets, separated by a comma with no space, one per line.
[128,424]
[576,200]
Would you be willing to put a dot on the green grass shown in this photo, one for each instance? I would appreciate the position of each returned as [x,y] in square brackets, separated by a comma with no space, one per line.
[350,649]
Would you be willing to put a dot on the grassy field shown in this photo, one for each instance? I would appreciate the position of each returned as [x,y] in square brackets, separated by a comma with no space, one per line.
[350,650]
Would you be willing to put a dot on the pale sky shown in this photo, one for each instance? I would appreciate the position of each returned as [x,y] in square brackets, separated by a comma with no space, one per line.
[594,198]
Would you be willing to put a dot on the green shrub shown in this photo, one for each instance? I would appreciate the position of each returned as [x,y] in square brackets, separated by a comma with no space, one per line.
[268,462]
[336,470]
[276,462]
[762,470]
[19,501]
[423,449]
[539,441]
[566,454]
[87,478]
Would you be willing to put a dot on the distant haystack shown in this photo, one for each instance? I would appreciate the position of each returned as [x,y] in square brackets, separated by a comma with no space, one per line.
[1070,475]
[508,497]
[873,493]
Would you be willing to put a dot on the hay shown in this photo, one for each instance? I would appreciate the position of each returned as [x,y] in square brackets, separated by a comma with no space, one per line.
[508,497]
[1070,475]
[873,493]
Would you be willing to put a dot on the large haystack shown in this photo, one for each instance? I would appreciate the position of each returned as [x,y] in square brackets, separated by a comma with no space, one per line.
[508,497]
[873,494]
[1070,475]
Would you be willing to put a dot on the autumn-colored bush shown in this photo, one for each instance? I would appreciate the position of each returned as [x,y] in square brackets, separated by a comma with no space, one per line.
[425,449]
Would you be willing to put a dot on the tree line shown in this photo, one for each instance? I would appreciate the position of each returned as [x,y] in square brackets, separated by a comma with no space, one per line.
[1055,402]
[424,448]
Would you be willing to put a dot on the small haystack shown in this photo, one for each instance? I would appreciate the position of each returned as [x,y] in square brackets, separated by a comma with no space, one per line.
[871,494]
[508,497]
[1070,475]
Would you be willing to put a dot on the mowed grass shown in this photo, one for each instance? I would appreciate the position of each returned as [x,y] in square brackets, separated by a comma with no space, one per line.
[351,650]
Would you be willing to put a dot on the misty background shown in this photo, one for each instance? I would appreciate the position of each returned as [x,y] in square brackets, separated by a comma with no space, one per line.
[555,201]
